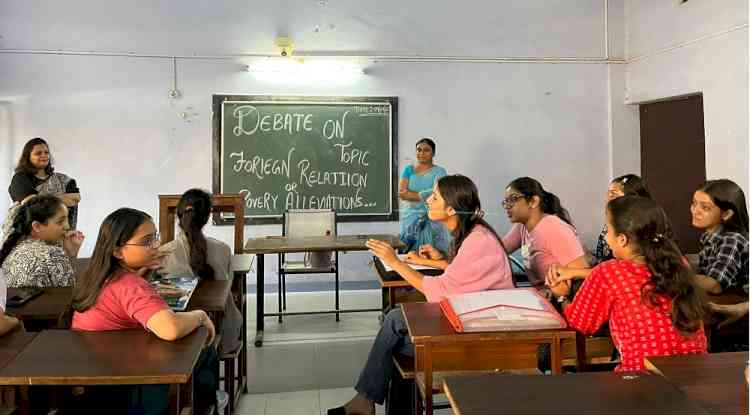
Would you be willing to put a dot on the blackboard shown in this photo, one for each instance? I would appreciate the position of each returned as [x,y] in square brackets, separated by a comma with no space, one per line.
[286,152]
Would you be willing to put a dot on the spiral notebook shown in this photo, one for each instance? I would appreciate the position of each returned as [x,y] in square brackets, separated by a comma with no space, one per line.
[501,310]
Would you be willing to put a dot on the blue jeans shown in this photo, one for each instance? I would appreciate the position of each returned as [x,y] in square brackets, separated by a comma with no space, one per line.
[392,338]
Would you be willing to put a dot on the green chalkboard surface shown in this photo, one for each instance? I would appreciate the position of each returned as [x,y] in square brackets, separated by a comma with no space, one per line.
[284,152]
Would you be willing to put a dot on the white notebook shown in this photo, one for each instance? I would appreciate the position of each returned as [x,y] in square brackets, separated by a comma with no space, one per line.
[402,257]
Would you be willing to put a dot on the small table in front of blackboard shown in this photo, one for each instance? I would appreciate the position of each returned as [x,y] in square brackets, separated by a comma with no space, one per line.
[278,245]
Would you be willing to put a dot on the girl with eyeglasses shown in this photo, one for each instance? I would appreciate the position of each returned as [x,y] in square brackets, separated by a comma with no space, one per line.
[625,185]
[646,292]
[719,210]
[542,230]
[113,294]
[40,248]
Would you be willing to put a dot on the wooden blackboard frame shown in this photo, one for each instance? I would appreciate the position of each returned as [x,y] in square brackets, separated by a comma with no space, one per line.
[216,107]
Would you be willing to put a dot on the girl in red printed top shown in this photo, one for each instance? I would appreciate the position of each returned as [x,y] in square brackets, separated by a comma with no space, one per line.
[645,293]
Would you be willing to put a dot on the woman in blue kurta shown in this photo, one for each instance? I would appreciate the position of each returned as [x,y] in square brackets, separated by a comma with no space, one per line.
[415,186]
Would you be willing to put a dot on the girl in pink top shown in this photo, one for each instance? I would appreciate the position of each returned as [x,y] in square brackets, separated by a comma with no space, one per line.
[543,230]
[112,294]
[477,262]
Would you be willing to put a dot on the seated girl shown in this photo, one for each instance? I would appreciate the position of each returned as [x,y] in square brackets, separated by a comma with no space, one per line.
[543,230]
[477,262]
[112,294]
[192,253]
[40,248]
[646,293]
[625,185]
[719,210]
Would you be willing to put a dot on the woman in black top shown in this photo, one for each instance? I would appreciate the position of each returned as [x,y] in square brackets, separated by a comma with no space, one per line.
[35,175]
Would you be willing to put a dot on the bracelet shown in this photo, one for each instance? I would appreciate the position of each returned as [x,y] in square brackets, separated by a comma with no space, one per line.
[561,299]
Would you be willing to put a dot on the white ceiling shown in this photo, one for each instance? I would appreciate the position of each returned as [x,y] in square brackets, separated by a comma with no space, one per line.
[486,28]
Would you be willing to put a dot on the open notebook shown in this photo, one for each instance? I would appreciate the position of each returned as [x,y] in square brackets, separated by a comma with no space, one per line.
[501,310]
[402,257]
[175,290]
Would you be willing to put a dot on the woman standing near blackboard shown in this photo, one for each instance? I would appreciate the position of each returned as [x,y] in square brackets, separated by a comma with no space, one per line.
[35,175]
[415,186]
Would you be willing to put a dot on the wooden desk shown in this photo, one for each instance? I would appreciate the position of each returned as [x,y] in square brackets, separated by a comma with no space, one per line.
[132,357]
[390,281]
[586,393]
[12,343]
[210,296]
[714,381]
[46,307]
[439,348]
[278,245]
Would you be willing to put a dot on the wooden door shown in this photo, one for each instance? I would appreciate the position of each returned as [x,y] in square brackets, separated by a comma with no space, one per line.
[673,159]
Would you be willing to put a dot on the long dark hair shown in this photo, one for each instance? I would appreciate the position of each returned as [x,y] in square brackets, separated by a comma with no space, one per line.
[727,195]
[37,209]
[633,185]
[647,226]
[24,163]
[460,193]
[115,231]
[193,211]
[549,203]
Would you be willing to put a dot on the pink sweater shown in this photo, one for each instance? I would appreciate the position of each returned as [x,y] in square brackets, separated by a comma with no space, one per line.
[480,264]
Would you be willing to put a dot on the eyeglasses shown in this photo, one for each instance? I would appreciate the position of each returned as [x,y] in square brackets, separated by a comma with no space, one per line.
[511,200]
[150,241]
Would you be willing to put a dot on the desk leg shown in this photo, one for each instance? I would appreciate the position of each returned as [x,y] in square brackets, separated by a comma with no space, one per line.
[383,299]
[556,356]
[259,304]
[427,379]
[243,352]
[22,400]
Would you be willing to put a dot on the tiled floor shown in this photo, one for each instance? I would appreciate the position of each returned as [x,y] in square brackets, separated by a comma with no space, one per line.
[309,363]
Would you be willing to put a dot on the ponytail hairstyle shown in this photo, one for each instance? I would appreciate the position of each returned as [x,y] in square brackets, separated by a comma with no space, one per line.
[727,195]
[460,193]
[633,185]
[549,203]
[193,211]
[647,227]
[24,162]
[40,209]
